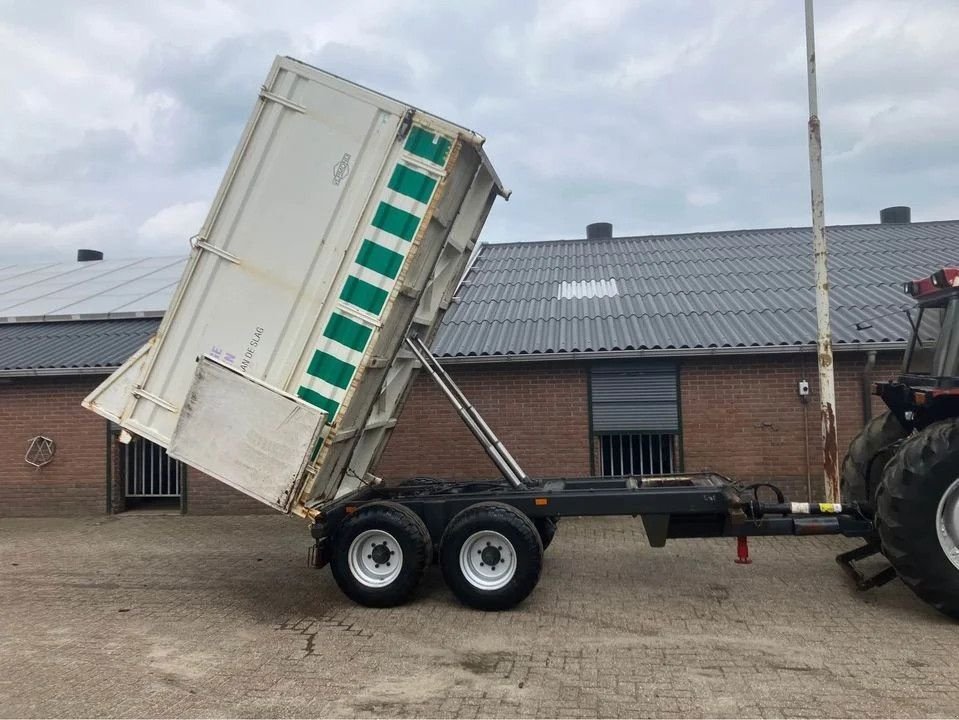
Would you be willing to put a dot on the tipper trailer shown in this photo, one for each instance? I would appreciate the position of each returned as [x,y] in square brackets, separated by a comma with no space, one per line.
[334,245]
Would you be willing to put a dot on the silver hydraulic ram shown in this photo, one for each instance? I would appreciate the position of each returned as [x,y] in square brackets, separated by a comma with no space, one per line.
[497,452]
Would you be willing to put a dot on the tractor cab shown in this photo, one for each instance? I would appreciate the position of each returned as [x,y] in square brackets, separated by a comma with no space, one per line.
[928,388]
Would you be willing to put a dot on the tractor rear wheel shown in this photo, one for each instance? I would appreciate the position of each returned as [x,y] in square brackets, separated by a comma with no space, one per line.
[918,514]
[868,454]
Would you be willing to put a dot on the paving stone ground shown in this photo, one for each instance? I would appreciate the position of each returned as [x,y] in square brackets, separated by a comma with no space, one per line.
[147,615]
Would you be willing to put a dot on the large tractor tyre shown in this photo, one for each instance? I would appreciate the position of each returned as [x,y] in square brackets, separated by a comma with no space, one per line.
[380,553]
[491,556]
[868,454]
[918,514]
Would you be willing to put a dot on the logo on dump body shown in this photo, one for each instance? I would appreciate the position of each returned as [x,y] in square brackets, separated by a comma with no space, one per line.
[341,169]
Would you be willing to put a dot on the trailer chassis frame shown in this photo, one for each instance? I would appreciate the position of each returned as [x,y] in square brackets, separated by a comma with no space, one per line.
[694,505]
[699,505]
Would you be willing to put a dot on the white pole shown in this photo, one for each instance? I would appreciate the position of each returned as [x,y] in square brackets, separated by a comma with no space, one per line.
[827,388]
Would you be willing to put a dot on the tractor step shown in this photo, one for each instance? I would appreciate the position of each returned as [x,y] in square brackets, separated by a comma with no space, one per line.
[848,559]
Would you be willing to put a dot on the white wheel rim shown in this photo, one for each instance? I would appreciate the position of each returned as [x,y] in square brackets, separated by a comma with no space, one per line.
[375,558]
[487,560]
[947,523]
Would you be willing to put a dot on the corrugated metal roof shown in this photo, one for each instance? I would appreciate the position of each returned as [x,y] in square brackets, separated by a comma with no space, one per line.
[735,289]
[65,347]
[88,290]
[673,293]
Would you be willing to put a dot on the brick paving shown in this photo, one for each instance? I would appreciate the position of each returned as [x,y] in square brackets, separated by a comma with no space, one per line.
[148,615]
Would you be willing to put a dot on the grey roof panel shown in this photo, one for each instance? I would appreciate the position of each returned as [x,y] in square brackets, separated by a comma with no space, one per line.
[742,289]
[71,345]
[98,289]
[736,289]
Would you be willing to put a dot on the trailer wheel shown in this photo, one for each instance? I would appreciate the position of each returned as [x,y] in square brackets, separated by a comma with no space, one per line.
[918,515]
[546,527]
[491,556]
[868,454]
[380,553]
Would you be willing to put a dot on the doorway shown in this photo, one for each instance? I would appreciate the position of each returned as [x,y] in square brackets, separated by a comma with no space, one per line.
[151,479]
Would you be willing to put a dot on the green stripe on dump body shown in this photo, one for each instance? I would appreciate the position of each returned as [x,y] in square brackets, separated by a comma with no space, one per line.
[320,401]
[428,146]
[376,257]
[347,332]
[331,369]
[363,295]
[395,221]
[412,183]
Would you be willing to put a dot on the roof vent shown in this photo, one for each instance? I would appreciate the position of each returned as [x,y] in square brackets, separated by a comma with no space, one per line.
[896,214]
[599,230]
[88,255]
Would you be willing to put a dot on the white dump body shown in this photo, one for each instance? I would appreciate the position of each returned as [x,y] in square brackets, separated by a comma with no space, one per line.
[344,222]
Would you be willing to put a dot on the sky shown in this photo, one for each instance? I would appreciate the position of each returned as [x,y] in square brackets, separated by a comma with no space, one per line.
[660,117]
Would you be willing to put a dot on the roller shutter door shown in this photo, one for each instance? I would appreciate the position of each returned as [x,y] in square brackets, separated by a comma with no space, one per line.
[635,397]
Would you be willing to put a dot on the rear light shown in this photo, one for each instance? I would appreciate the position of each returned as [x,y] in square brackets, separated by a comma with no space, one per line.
[919,398]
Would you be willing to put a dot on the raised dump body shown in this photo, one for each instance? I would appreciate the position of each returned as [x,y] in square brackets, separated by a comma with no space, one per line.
[343,224]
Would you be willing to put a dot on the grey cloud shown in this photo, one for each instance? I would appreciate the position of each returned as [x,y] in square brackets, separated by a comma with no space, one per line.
[101,154]
[673,116]
[214,90]
[388,71]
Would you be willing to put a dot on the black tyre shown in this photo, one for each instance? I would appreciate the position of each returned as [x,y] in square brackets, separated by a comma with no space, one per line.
[918,514]
[379,554]
[868,454]
[491,556]
[546,527]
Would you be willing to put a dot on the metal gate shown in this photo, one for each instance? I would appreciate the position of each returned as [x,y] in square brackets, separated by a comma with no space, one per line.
[637,454]
[148,471]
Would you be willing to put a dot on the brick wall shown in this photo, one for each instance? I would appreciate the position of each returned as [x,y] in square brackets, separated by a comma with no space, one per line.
[538,409]
[74,483]
[208,496]
[742,417]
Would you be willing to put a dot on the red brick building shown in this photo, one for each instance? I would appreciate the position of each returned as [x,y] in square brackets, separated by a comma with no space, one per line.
[592,356]
[739,416]
[88,471]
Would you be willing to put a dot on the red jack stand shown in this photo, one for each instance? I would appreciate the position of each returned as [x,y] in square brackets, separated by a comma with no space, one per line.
[742,551]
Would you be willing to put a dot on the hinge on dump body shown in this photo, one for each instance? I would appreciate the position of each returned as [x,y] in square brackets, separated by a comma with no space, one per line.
[273,97]
[405,124]
[155,399]
[199,242]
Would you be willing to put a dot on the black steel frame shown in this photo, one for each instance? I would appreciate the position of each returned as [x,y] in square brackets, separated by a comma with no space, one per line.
[696,505]
[670,506]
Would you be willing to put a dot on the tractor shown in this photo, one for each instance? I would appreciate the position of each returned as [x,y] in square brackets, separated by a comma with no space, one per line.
[903,467]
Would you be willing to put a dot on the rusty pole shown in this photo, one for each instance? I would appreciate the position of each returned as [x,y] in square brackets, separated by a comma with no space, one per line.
[827,388]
